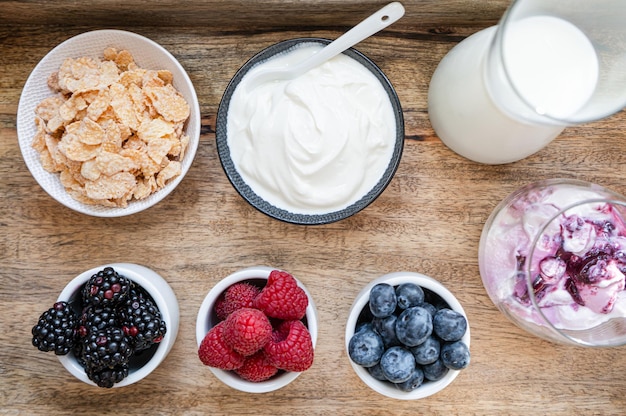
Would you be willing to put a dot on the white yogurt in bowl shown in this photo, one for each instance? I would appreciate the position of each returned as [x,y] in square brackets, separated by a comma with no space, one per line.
[314,149]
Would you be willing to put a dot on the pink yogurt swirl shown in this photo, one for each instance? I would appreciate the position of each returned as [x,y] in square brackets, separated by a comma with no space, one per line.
[585,257]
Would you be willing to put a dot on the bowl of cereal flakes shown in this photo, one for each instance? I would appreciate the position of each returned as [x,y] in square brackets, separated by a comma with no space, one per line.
[108,123]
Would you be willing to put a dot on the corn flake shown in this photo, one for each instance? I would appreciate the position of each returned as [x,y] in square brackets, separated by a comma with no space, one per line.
[112,163]
[90,170]
[168,102]
[99,105]
[154,129]
[90,132]
[111,187]
[74,149]
[172,170]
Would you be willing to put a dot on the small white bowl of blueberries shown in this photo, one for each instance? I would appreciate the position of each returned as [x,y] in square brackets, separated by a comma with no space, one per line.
[407,336]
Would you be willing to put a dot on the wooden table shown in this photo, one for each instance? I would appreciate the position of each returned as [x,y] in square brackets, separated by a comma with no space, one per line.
[428,220]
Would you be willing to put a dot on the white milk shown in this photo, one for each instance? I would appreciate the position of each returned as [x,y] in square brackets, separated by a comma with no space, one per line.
[552,65]
[463,113]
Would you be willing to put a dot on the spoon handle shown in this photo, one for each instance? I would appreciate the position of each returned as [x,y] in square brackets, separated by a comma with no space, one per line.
[372,24]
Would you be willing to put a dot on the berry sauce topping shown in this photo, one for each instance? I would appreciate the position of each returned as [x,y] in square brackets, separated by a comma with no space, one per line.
[588,262]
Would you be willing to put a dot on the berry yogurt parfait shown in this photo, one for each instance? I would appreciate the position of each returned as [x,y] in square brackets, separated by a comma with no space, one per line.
[552,258]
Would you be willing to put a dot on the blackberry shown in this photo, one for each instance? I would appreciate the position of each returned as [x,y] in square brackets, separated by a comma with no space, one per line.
[77,350]
[108,376]
[106,288]
[141,320]
[105,348]
[96,318]
[56,329]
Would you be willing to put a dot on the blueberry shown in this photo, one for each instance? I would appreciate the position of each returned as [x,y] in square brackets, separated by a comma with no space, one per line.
[416,380]
[435,371]
[449,325]
[429,307]
[413,326]
[427,352]
[377,372]
[397,364]
[455,355]
[408,295]
[363,325]
[386,328]
[366,347]
[382,300]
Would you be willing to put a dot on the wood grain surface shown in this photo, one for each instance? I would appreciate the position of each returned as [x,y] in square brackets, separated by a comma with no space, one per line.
[428,220]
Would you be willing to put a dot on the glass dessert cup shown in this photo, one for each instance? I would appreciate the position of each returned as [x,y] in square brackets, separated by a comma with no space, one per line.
[552,258]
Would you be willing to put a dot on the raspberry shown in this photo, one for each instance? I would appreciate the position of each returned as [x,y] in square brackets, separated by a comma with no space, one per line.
[247,330]
[257,368]
[291,347]
[237,296]
[215,353]
[282,298]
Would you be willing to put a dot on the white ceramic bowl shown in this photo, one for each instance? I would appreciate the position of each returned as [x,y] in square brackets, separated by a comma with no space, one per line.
[147,54]
[428,388]
[207,319]
[165,300]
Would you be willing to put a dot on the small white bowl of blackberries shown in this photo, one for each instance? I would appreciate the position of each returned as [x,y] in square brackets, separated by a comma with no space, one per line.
[112,325]
[407,336]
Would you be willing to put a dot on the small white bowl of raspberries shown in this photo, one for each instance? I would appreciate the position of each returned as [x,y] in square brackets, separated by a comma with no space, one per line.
[407,336]
[257,329]
[112,325]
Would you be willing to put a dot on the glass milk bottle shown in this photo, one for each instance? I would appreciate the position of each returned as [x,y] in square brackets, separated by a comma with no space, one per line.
[507,91]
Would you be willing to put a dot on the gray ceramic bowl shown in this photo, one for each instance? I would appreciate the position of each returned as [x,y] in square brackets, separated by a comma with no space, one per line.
[281,214]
